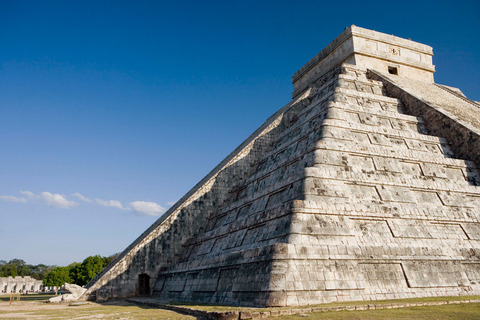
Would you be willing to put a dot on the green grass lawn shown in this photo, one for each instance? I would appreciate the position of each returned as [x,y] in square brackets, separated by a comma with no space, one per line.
[467,311]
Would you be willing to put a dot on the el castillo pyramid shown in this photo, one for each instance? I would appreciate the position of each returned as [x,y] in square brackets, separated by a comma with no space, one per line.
[365,186]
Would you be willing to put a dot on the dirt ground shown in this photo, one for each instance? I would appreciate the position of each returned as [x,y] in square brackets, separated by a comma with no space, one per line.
[115,310]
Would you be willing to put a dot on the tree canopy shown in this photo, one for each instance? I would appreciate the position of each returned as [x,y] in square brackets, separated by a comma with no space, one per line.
[77,273]
[82,273]
[18,267]
[57,277]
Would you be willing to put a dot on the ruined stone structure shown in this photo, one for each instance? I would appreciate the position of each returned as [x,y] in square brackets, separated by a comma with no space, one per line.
[75,292]
[365,186]
[20,284]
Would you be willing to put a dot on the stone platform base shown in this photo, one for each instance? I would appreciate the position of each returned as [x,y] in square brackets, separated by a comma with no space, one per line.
[275,312]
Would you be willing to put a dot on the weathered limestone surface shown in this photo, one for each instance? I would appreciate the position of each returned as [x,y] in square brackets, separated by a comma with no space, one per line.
[75,293]
[356,190]
[176,236]
[20,284]
[451,114]
[368,49]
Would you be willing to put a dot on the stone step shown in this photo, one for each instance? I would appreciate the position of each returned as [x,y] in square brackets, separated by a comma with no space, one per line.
[392,180]
[356,84]
[376,111]
[369,163]
[360,209]
[368,209]
[369,119]
[360,77]
[349,127]
[341,93]
[407,155]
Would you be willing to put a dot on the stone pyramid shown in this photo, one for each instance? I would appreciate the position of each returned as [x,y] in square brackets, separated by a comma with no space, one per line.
[364,186]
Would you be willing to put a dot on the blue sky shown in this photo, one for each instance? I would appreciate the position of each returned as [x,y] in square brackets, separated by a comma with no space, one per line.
[110,111]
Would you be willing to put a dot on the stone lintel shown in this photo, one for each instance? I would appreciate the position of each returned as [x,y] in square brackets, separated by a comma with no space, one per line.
[368,49]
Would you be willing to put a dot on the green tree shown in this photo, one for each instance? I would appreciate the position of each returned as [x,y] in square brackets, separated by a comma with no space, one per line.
[24,270]
[89,268]
[75,272]
[3,268]
[39,271]
[14,268]
[57,277]
[109,259]
[17,267]
[11,270]
[78,273]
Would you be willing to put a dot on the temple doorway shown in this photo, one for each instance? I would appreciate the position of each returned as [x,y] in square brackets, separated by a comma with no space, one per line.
[143,284]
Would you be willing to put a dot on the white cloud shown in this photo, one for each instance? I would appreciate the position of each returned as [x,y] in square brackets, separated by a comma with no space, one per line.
[111,203]
[60,201]
[29,194]
[82,197]
[13,199]
[148,208]
[57,200]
